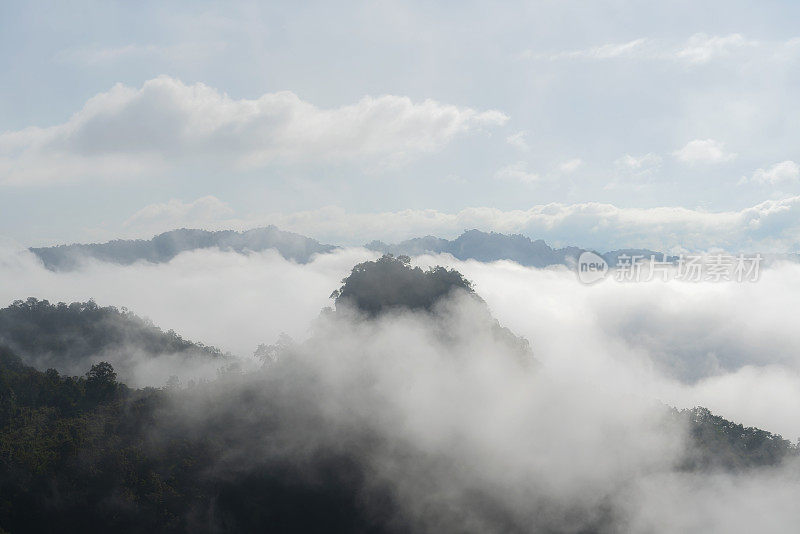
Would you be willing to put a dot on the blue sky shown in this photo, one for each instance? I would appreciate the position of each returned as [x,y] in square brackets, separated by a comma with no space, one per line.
[609,124]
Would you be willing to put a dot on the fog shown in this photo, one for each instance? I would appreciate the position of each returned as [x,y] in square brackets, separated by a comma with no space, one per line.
[686,344]
[582,437]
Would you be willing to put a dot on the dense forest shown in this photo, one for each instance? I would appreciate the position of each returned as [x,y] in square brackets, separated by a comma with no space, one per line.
[72,337]
[246,451]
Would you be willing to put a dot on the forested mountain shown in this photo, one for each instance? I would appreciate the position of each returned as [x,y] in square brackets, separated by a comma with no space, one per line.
[471,245]
[492,246]
[300,445]
[389,282]
[166,246]
[72,337]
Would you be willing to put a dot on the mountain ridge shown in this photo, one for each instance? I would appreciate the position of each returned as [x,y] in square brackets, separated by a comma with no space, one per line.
[470,245]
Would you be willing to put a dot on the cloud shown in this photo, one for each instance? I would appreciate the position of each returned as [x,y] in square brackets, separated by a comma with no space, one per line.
[165,124]
[766,227]
[683,343]
[634,172]
[176,214]
[629,49]
[638,163]
[517,140]
[770,226]
[516,172]
[703,151]
[570,166]
[228,300]
[785,171]
[455,414]
[701,48]
[96,55]
[698,49]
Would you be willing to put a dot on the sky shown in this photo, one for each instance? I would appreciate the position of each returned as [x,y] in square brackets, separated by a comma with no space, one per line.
[605,124]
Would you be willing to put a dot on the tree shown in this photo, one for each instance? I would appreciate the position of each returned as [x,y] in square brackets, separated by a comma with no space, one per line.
[101,382]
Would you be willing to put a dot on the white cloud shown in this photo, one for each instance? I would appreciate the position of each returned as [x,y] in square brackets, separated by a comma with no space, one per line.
[638,163]
[166,123]
[785,171]
[570,166]
[771,226]
[634,48]
[701,48]
[487,416]
[697,49]
[516,172]
[176,213]
[703,151]
[517,140]
[634,172]
[96,55]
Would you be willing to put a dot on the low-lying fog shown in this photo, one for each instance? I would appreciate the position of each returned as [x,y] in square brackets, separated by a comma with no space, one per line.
[585,430]
[732,347]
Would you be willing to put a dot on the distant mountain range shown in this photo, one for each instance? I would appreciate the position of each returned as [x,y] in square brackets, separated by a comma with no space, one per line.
[471,245]
[492,246]
[166,246]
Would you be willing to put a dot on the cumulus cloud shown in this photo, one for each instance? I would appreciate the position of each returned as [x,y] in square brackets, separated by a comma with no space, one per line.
[166,123]
[770,226]
[703,151]
[778,173]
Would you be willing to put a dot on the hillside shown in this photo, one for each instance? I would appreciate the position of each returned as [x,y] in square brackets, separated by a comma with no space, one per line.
[166,246]
[72,337]
[311,442]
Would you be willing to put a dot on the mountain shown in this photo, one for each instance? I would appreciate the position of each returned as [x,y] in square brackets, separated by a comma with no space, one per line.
[492,246]
[90,453]
[313,441]
[166,246]
[72,337]
[471,245]
[390,284]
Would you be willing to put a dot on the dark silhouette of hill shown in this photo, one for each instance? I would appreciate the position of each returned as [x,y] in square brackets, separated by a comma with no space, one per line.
[389,282]
[392,284]
[88,454]
[166,246]
[71,337]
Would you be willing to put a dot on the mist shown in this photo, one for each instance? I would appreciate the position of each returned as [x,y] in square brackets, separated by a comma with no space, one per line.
[729,335]
[582,436]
